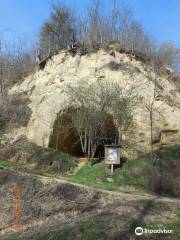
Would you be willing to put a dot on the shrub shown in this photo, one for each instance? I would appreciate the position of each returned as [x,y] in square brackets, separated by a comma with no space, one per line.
[45,159]
[114,66]
[16,111]
[53,160]
[163,176]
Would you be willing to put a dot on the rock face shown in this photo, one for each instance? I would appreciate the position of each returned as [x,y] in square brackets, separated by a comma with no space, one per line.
[45,91]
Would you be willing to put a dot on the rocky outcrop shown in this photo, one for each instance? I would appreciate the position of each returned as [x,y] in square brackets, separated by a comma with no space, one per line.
[44,89]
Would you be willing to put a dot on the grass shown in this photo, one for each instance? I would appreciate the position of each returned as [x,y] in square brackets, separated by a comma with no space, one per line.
[99,229]
[33,158]
[170,152]
[6,164]
[163,174]
[94,176]
[86,231]
[174,223]
[11,165]
[132,174]
[148,208]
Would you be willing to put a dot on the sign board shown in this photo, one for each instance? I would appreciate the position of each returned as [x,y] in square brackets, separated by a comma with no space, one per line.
[112,154]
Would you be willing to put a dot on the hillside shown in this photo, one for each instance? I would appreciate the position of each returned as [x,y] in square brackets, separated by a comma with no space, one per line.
[44,89]
[89,120]
[64,197]
[55,209]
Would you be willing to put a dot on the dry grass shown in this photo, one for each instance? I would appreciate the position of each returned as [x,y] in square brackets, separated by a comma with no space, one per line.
[50,206]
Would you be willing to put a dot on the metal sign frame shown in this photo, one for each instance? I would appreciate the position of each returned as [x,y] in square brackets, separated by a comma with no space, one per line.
[112,154]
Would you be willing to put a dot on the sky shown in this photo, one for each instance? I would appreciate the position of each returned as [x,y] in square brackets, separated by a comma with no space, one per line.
[160,18]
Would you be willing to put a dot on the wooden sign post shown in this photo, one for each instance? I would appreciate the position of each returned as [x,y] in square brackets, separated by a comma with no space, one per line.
[112,155]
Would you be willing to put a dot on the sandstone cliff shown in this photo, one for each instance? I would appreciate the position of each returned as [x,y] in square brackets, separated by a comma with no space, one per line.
[44,89]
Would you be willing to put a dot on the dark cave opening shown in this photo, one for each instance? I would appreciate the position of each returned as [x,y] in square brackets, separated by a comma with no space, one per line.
[66,139]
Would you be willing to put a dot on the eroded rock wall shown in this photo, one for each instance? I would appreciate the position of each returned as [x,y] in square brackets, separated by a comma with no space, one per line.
[47,98]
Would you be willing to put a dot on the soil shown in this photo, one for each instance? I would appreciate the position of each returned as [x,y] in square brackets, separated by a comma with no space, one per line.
[49,204]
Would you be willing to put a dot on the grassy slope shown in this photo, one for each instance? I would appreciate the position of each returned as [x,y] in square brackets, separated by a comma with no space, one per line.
[132,174]
[95,229]
[86,231]
[45,160]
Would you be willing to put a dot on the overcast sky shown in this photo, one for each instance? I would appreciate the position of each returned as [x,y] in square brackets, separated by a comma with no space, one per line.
[160,18]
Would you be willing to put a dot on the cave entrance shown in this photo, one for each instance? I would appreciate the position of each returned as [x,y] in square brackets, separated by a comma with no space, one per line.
[65,138]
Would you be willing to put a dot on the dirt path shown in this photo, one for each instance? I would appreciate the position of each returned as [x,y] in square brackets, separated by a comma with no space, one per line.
[52,209]
[130,195]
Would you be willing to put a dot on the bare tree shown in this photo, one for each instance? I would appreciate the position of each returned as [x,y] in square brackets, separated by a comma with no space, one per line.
[153,111]
[98,29]
[19,59]
[169,54]
[150,108]
[86,116]
[57,32]
[16,61]
[91,106]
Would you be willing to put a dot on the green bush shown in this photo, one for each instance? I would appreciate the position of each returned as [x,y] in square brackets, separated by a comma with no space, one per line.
[163,175]
[25,153]
[53,160]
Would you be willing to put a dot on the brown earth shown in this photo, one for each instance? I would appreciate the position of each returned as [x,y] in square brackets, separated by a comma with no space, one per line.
[49,204]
